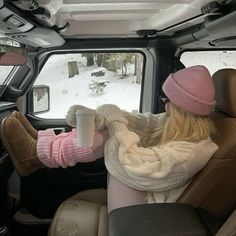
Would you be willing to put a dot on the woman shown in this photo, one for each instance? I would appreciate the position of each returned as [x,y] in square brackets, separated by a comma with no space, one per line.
[150,158]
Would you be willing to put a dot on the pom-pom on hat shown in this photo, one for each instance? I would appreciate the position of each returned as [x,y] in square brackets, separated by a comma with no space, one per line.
[191,89]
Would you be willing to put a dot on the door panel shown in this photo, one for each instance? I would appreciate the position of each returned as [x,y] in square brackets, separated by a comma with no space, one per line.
[6,169]
[43,191]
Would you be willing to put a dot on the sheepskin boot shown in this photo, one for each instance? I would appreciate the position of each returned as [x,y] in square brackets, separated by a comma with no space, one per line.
[26,124]
[20,146]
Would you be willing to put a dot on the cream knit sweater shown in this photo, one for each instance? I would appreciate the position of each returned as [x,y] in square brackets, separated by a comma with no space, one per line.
[163,171]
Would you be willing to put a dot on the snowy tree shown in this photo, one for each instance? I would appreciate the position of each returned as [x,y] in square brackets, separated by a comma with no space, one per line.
[126,58]
[90,59]
[138,65]
[98,86]
[115,61]
[99,59]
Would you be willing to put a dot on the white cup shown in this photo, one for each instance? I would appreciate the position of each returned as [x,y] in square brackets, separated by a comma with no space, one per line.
[85,125]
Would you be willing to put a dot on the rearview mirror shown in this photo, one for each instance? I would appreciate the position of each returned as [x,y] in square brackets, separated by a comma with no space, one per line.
[12,56]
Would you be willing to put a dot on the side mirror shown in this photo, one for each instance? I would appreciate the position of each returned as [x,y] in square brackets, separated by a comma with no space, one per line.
[40,95]
[12,56]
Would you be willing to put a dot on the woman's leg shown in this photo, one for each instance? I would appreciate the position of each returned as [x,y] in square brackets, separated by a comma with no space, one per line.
[121,195]
[62,150]
[29,154]
[20,146]
[26,124]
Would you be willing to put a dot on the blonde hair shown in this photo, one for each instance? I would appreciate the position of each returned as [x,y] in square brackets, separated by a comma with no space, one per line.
[184,126]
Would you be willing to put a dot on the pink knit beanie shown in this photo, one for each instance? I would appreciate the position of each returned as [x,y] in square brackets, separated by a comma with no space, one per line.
[192,89]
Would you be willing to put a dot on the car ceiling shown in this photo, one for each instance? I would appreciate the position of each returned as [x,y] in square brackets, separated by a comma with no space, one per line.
[89,18]
[119,17]
[49,23]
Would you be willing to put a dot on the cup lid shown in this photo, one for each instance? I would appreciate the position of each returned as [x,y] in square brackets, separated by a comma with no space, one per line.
[85,112]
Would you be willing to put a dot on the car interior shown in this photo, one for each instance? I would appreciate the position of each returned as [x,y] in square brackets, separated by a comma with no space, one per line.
[45,45]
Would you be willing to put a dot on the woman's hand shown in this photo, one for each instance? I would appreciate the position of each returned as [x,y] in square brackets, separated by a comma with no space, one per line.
[71,117]
[104,115]
[108,113]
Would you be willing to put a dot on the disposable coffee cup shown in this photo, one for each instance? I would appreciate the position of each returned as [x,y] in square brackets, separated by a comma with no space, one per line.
[85,125]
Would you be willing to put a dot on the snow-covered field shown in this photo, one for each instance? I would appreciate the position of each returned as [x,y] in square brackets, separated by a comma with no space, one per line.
[213,60]
[65,91]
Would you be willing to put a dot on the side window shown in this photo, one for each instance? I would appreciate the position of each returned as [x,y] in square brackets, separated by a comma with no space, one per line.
[4,72]
[89,79]
[213,60]
[4,69]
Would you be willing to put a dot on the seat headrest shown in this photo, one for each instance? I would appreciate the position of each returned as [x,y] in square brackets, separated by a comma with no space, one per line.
[225,85]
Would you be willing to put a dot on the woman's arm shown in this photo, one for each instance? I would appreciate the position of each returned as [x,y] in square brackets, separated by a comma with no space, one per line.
[144,125]
[155,168]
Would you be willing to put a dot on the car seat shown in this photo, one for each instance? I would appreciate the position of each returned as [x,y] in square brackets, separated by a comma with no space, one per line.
[213,189]
[83,214]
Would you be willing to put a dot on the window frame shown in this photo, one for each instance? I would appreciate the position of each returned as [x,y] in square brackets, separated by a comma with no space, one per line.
[44,57]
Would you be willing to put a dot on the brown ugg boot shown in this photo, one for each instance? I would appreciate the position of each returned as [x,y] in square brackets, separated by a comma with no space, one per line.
[20,146]
[29,128]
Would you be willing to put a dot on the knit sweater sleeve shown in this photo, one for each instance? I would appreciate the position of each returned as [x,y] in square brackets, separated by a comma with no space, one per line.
[146,125]
[154,162]
[166,166]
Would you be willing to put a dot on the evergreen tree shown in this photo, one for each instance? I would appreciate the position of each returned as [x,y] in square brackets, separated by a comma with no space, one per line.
[98,87]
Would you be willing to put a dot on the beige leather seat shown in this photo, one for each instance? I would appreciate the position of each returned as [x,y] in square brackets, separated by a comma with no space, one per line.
[84,214]
[229,227]
[213,189]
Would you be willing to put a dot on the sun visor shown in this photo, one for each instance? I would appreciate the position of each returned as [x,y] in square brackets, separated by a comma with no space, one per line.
[39,37]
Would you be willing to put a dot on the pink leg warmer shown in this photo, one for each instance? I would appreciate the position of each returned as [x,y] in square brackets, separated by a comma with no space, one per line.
[62,150]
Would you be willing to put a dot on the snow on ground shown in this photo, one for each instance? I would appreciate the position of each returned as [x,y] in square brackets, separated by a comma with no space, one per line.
[213,60]
[65,92]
